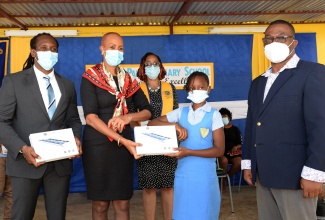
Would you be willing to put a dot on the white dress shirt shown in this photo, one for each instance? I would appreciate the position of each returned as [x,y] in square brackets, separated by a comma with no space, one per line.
[42,86]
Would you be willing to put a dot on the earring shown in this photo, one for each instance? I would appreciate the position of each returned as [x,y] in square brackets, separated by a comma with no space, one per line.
[102,52]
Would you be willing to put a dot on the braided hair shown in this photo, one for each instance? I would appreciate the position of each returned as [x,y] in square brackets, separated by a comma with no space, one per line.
[30,60]
[192,77]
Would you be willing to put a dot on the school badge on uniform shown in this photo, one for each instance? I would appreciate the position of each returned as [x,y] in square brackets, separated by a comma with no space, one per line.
[204,132]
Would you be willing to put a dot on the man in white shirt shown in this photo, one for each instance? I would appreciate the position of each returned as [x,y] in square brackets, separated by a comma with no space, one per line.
[35,100]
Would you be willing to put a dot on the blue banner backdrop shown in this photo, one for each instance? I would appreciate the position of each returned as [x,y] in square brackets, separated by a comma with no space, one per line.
[3,58]
[231,55]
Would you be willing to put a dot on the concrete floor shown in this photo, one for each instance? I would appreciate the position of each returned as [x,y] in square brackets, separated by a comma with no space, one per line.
[79,207]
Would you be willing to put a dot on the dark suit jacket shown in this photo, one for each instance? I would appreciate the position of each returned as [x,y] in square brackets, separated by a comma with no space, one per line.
[22,112]
[287,131]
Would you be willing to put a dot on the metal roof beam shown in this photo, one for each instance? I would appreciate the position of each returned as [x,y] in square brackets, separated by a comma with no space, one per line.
[11,18]
[257,13]
[180,12]
[86,1]
[121,1]
[92,15]
[175,15]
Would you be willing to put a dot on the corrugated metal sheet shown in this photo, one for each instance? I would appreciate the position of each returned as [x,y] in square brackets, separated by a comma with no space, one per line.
[96,21]
[5,22]
[239,6]
[159,13]
[91,8]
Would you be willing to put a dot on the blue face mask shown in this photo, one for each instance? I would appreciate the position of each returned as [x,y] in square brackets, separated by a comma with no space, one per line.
[152,71]
[114,57]
[47,59]
[225,121]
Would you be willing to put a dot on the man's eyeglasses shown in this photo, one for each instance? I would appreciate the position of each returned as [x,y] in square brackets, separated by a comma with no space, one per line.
[147,64]
[280,39]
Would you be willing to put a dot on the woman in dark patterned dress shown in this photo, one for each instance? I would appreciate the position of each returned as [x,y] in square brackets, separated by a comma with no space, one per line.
[108,152]
[158,171]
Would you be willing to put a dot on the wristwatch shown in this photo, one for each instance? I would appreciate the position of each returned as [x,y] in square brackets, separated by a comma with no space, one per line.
[22,149]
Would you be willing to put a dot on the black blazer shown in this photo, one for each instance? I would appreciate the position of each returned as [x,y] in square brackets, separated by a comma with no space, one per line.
[22,112]
[285,133]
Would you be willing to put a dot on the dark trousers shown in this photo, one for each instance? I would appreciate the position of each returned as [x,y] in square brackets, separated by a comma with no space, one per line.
[25,193]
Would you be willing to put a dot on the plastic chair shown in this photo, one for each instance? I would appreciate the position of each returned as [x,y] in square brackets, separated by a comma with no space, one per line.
[221,173]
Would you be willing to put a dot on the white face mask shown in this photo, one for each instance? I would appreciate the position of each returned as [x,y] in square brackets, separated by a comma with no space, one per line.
[277,52]
[198,96]
[47,59]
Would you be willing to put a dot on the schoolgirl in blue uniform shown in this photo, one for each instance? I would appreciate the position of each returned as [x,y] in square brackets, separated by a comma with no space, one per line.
[200,129]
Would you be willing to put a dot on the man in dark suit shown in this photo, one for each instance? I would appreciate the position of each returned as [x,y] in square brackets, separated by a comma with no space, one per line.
[25,108]
[284,147]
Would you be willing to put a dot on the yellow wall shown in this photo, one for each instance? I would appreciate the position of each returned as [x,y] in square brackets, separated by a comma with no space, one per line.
[20,45]
[19,52]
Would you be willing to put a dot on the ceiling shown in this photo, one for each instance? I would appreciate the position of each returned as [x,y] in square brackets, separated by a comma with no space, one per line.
[25,14]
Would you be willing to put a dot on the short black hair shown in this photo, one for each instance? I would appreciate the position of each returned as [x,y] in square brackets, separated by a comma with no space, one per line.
[192,76]
[225,111]
[35,38]
[283,22]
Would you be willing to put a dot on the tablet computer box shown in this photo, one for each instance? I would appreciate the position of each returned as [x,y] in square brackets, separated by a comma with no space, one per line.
[156,140]
[54,145]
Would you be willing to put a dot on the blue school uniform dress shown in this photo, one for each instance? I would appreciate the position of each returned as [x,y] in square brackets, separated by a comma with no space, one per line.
[196,189]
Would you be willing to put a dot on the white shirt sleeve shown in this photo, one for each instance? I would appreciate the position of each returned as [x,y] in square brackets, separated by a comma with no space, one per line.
[313,175]
[307,172]
[174,116]
[246,164]
[217,121]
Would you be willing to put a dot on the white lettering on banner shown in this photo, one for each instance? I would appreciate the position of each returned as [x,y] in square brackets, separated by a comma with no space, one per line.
[176,73]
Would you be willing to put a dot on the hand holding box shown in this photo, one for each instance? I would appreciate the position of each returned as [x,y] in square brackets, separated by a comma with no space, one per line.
[54,145]
[156,140]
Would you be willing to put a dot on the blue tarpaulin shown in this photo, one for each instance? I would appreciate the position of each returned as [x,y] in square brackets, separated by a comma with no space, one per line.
[3,58]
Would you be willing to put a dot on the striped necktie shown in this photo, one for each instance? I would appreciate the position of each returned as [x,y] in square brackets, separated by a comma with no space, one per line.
[52,103]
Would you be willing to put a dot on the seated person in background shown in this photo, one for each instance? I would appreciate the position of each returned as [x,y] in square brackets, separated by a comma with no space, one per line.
[5,184]
[233,142]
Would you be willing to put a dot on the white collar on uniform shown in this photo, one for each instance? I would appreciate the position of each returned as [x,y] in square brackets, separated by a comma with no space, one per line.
[206,107]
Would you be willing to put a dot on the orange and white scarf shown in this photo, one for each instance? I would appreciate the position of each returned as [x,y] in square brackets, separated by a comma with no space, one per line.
[102,78]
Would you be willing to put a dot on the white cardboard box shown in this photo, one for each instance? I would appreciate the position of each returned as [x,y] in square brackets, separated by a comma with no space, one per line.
[54,145]
[155,140]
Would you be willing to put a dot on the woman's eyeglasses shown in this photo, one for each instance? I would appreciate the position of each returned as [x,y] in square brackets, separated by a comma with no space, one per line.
[147,64]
